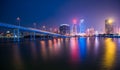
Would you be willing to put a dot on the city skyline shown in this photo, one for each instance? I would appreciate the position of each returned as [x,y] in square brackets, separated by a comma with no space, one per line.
[53,13]
[60,34]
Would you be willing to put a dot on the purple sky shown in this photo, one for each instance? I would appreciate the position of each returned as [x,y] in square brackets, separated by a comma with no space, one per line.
[52,13]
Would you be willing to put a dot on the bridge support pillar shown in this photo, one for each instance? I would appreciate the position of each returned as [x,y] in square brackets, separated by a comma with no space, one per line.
[16,33]
[30,36]
[50,37]
[34,36]
[43,37]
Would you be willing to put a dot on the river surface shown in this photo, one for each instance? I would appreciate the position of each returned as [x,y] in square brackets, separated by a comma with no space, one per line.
[82,53]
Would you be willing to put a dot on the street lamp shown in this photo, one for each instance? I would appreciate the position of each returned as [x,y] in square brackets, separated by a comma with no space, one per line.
[18,32]
[18,20]
[44,28]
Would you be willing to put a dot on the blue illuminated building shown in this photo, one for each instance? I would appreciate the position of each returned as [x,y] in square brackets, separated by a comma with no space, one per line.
[82,26]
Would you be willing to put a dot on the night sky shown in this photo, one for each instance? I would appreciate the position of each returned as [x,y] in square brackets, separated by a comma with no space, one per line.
[52,13]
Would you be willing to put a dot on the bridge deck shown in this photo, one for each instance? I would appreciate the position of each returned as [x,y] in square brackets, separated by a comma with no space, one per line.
[29,29]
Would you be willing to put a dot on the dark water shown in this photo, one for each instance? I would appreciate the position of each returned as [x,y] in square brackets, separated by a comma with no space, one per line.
[61,54]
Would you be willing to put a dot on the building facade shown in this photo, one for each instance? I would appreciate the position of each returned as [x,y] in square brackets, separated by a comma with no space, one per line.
[82,27]
[64,29]
[109,26]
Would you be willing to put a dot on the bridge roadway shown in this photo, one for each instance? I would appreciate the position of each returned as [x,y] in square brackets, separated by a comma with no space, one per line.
[30,30]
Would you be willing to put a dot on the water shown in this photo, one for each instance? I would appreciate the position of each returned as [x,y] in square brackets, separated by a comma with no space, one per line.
[90,53]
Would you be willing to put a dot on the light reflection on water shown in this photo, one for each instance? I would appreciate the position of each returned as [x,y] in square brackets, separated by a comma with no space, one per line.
[74,53]
[96,45]
[33,51]
[108,61]
[90,53]
[17,61]
[51,48]
[82,48]
[50,44]
[88,44]
[43,50]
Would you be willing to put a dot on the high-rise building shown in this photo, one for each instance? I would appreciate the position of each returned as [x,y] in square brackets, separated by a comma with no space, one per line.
[109,26]
[74,28]
[82,26]
[64,29]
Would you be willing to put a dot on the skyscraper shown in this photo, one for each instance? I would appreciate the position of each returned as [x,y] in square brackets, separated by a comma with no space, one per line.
[81,26]
[74,28]
[64,29]
[109,26]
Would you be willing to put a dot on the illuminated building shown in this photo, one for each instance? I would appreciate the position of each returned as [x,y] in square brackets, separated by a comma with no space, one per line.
[109,26]
[90,32]
[44,28]
[82,26]
[116,30]
[64,29]
[8,34]
[55,30]
[74,29]
[87,32]
[50,29]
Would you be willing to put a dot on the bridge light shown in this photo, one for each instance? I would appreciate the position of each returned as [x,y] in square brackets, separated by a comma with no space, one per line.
[18,18]
[43,26]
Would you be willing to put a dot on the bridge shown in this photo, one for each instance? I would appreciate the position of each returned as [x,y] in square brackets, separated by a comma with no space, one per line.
[33,31]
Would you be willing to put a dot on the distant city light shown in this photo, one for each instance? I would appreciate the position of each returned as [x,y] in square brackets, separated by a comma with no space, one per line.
[50,29]
[96,33]
[8,32]
[64,24]
[43,26]
[55,29]
[15,36]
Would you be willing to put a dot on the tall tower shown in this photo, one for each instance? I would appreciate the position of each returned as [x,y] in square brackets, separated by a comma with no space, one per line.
[18,20]
[74,29]
[81,26]
[109,26]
